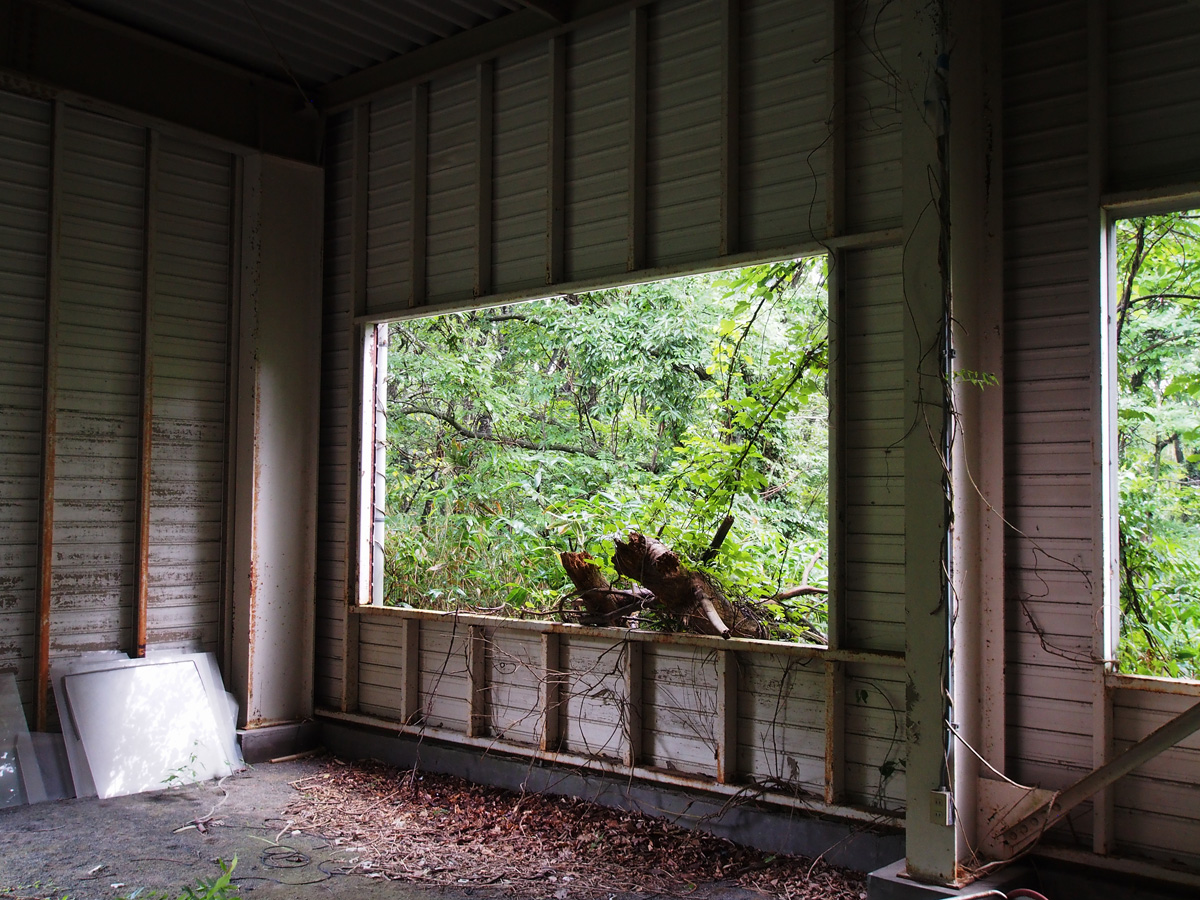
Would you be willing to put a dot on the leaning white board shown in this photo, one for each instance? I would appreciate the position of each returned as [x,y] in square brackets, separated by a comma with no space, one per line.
[146,726]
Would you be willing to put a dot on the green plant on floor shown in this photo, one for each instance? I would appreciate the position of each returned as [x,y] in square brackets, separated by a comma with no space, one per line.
[219,888]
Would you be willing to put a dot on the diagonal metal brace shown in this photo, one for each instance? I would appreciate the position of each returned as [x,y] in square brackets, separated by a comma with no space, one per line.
[1025,831]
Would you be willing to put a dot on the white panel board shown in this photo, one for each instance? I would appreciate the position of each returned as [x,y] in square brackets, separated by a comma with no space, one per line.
[146,727]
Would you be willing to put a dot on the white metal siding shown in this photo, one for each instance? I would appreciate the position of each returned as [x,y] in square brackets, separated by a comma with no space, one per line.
[336,373]
[452,186]
[389,204]
[1154,93]
[99,383]
[683,133]
[1158,805]
[783,123]
[873,176]
[1050,426]
[597,149]
[875,424]
[520,177]
[191,302]
[24,211]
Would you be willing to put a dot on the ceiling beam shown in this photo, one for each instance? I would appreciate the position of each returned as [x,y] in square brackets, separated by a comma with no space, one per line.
[65,51]
[554,9]
[467,47]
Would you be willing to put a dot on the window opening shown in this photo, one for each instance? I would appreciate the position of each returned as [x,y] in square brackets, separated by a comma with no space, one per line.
[499,438]
[1156,335]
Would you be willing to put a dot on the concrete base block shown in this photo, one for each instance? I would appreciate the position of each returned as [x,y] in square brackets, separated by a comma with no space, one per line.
[760,826]
[261,745]
[889,883]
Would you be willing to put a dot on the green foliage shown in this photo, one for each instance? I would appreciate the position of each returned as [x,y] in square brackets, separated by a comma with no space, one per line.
[516,433]
[1158,443]
[219,888]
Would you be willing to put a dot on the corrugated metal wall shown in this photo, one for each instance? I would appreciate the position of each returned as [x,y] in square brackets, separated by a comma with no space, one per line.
[135,322]
[683,135]
[1097,100]
[24,221]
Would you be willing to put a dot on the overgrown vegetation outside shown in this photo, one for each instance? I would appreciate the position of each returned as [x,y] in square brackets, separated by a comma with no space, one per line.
[520,432]
[1158,443]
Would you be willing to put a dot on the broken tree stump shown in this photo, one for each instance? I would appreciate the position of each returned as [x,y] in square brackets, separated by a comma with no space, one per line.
[685,593]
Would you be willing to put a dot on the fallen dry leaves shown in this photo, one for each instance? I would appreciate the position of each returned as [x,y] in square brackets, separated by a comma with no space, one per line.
[440,830]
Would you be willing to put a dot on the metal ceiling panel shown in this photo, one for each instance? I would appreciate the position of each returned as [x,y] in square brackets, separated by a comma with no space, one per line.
[316,41]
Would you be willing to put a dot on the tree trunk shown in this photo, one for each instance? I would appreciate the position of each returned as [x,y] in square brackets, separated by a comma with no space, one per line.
[687,594]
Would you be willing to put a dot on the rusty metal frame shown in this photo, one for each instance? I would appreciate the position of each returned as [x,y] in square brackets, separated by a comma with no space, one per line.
[45,591]
[141,599]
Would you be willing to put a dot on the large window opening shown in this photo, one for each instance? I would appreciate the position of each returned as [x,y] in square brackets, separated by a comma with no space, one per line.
[496,440]
[1156,325]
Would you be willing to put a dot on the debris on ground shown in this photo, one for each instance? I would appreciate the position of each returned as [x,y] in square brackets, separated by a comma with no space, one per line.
[414,826]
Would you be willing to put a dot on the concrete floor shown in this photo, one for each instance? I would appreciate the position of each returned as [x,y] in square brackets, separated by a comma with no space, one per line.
[104,849]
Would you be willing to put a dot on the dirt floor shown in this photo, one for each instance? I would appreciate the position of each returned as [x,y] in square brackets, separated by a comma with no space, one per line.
[318,828]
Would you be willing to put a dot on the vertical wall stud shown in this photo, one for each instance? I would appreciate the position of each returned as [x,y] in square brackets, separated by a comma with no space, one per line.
[930,845]
[477,672]
[228,470]
[420,191]
[727,716]
[1105,492]
[410,675]
[835,731]
[141,609]
[484,143]
[731,61]
[556,201]
[637,139]
[633,703]
[550,692]
[360,162]
[49,428]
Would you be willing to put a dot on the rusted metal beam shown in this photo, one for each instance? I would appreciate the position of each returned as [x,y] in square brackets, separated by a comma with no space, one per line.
[410,674]
[141,607]
[550,693]
[632,675]
[653,776]
[1032,826]
[49,430]
[727,716]
[477,674]
[889,658]
[835,732]
[555,10]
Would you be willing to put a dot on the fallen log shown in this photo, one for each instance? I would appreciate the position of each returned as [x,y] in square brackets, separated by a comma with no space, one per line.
[686,594]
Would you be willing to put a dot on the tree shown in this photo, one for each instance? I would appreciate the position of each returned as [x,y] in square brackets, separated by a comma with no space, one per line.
[1158,442]
[518,433]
